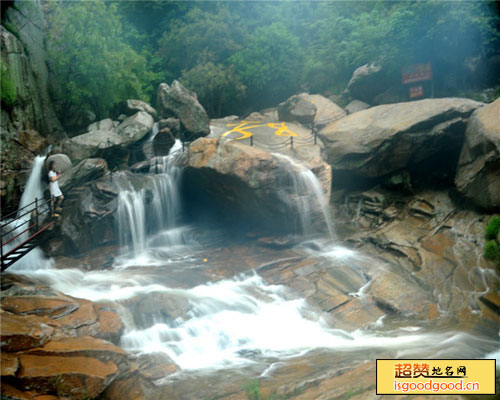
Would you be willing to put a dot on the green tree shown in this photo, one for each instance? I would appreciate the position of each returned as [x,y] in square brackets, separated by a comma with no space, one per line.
[203,36]
[90,62]
[270,64]
[217,87]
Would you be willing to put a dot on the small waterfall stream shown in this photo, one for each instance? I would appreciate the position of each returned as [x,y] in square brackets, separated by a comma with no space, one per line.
[34,189]
[308,197]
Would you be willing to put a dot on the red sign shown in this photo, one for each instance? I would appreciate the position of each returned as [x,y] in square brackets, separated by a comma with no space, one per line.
[416,91]
[416,73]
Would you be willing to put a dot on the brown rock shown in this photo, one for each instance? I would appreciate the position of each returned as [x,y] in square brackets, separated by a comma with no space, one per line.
[478,172]
[76,377]
[125,389]
[383,139]
[79,346]
[400,294]
[9,365]
[32,141]
[110,325]
[23,332]
[39,305]
[84,315]
[11,393]
[252,182]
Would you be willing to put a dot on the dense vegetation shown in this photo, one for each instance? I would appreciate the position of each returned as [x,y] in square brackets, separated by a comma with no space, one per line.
[492,246]
[248,55]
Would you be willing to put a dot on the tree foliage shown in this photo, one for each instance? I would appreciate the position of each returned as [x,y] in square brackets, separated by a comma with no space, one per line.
[91,64]
[272,48]
[217,86]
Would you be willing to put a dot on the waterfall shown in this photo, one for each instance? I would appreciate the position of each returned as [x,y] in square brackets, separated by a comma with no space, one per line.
[307,197]
[34,189]
[147,147]
[138,218]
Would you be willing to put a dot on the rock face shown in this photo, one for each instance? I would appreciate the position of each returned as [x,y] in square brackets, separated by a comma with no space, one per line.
[51,343]
[177,101]
[28,121]
[297,108]
[246,181]
[135,127]
[355,106]
[366,82]
[28,71]
[309,109]
[87,170]
[384,139]
[478,174]
[104,137]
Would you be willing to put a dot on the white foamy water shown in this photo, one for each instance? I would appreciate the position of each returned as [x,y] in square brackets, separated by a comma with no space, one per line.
[147,225]
[307,197]
[238,321]
[234,322]
[34,189]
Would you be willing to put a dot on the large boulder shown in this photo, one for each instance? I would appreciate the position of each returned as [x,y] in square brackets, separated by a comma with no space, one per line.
[134,106]
[297,108]
[135,127]
[250,185]
[478,174]
[326,110]
[381,140]
[63,162]
[90,144]
[367,82]
[309,109]
[103,125]
[177,101]
[87,170]
[355,106]
[104,136]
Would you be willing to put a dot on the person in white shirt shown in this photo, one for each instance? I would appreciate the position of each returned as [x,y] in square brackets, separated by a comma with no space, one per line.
[55,191]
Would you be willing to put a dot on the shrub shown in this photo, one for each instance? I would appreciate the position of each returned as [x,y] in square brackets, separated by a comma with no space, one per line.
[493,228]
[492,250]
[8,87]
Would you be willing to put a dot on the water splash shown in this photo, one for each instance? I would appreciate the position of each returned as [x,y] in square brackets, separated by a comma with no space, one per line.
[34,189]
[149,217]
[307,198]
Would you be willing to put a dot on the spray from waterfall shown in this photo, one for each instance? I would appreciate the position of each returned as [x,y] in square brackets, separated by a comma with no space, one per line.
[154,210]
[34,189]
[307,198]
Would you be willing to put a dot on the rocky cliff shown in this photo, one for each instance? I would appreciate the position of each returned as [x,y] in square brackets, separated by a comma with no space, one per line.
[28,120]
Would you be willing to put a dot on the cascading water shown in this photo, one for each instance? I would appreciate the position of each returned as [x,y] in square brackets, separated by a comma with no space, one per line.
[34,189]
[307,198]
[237,321]
[144,224]
[147,147]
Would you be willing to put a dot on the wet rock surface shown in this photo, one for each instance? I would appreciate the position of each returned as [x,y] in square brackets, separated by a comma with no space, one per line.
[46,347]
[246,179]
[478,174]
[381,140]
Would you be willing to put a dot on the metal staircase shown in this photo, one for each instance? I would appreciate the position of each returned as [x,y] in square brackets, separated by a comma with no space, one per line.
[16,240]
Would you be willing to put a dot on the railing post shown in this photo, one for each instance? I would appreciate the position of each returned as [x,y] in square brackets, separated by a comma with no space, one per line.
[1,249]
[291,142]
[156,165]
[251,140]
[36,213]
